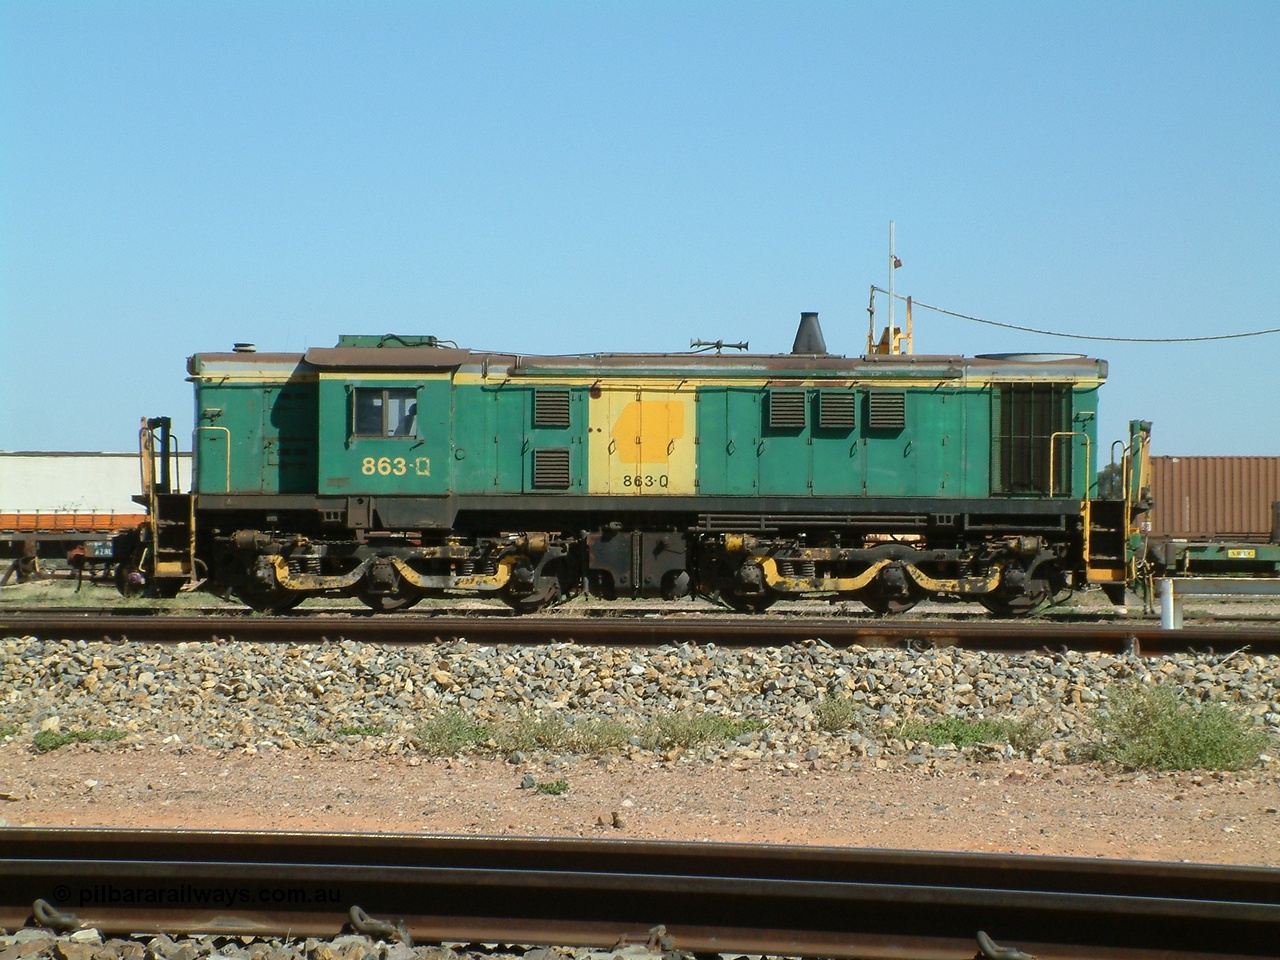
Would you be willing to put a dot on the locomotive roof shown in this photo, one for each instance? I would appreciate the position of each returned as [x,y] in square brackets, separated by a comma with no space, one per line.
[424,358]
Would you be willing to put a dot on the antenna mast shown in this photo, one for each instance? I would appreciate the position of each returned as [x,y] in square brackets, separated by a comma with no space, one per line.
[892,265]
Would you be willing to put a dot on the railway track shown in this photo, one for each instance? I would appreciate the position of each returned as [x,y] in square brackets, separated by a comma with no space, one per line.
[710,898]
[1142,636]
[617,610]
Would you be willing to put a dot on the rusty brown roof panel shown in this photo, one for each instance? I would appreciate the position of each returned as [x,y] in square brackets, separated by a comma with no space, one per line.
[941,367]
[712,361]
[397,358]
[1213,498]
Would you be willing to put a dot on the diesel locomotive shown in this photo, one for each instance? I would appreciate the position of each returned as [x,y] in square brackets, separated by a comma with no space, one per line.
[394,468]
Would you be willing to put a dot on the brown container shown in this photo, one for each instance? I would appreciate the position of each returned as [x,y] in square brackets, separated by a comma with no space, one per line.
[1223,498]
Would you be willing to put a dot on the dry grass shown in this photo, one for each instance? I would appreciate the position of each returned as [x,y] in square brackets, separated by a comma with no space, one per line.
[455,732]
[1155,727]
[839,713]
[1024,734]
[47,740]
[695,729]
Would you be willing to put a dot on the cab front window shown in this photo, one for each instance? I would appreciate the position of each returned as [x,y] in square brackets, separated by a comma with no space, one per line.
[386,412]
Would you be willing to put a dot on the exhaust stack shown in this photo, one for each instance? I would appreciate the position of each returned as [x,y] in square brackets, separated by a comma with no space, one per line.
[809,336]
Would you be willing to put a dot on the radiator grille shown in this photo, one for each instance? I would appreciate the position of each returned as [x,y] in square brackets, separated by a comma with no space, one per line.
[1029,434]
[551,468]
[786,409]
[551,408]
[887,411]
[836,410]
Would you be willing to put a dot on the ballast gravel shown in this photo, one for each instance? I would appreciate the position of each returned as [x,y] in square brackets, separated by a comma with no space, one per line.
[262,697]
[330,737]
[89,944]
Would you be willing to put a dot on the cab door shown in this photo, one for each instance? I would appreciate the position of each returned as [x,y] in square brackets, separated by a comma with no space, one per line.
[289,416]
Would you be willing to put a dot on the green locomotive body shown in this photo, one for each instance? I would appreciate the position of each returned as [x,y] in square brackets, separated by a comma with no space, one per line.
[394,468]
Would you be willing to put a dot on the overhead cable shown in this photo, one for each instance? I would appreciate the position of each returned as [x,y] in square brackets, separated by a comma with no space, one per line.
[1081,336]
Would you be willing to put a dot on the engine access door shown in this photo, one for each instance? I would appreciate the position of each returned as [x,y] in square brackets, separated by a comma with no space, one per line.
[642,440]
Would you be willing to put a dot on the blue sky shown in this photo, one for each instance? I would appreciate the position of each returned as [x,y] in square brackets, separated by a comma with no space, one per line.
[562,177]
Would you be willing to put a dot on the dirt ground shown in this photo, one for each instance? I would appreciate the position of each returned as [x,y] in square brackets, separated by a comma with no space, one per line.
[1009,807]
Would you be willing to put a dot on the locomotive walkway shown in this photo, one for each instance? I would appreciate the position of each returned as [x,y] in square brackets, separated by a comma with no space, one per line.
[1144,637]
[692,898]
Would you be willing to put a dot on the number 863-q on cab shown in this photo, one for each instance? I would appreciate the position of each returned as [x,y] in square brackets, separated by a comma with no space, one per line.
[395,468]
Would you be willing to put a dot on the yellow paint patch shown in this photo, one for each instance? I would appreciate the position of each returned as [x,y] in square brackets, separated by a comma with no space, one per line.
[646,430]
[641,440]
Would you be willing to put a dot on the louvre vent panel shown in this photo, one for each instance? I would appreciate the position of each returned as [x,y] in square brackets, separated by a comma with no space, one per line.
[551,468]
[551,408]
[786,409]
[887,411]
[836,410]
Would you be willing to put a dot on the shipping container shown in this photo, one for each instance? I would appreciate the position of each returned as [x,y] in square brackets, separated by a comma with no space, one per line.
[100,483]
[1214,498]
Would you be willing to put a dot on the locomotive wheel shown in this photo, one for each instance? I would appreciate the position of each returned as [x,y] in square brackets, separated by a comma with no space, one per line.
[278,600]
[753,603]
[886,606]
[1018,605]
[530,591]
[549,587]
[886,603]
[544,596]
[389,602]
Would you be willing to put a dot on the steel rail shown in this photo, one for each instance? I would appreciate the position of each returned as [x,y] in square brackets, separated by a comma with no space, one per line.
[614,610]
[795,901]
[618,609]
[1014,637]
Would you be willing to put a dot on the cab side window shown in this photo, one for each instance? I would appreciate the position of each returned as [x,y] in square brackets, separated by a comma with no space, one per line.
[386,412]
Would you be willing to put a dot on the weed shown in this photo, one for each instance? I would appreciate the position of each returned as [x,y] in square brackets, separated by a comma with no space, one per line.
[552,787]
[694,729]
[367,730]
[837,713]
[9,730]
[62,593]
[1025,734]
[585,737]
[47,740]
[450,733]
[1154,727]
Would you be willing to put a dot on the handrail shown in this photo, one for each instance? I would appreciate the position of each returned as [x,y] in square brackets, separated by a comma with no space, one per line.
[228,433]
[1053,446]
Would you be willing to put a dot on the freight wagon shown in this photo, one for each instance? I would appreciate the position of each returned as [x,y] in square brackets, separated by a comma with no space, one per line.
[1214,516]
[55,505]
[395,468]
